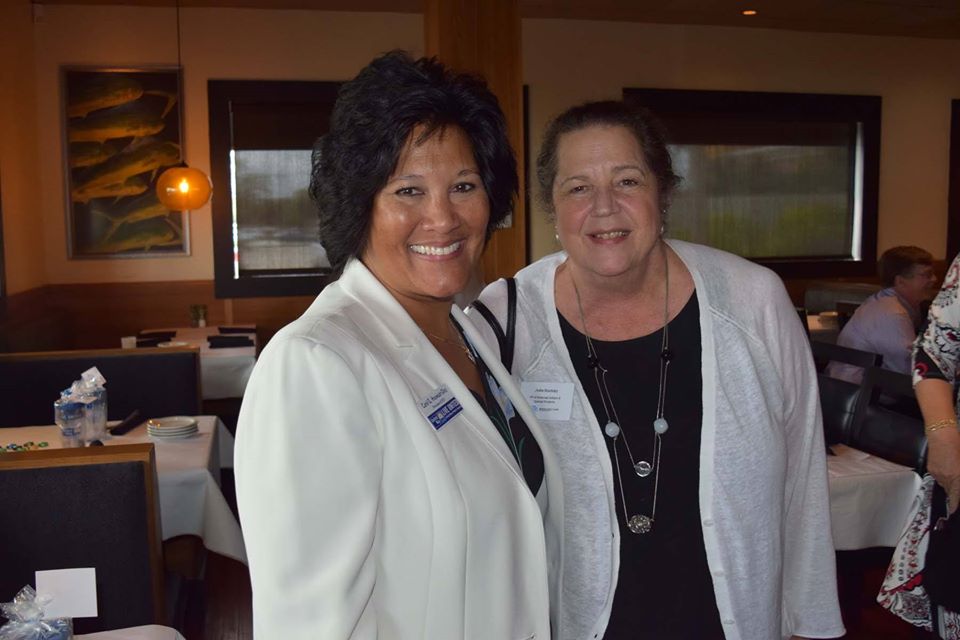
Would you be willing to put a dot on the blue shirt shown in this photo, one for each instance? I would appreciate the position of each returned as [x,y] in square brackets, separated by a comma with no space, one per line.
[886,324]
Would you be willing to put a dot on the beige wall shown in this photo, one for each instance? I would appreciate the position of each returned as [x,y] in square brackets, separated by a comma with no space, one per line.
[566,62]
[19,183]
[216,43]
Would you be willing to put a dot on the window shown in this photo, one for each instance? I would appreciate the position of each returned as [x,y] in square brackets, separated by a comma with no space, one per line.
[265,227]
[788,180]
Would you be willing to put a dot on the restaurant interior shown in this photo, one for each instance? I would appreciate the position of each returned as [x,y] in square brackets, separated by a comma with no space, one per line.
[200,293]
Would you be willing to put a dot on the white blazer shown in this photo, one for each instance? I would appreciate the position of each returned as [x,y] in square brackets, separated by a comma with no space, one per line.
[363,520]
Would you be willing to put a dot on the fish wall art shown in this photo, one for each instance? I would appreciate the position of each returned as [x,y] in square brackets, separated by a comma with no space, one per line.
[121,130]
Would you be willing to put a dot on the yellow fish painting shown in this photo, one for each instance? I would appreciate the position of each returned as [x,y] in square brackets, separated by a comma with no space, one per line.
[102,91]
[132,186]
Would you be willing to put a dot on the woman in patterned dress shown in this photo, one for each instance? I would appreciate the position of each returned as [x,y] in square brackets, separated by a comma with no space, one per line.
[936,373]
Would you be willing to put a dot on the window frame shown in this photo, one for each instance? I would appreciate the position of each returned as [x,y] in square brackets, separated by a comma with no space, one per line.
[953,199]
[221,95]
[794,107]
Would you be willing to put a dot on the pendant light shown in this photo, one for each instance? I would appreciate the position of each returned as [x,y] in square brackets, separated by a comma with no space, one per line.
[183,188]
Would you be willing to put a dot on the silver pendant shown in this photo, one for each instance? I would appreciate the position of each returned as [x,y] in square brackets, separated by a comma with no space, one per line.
[643,468]
[640,524]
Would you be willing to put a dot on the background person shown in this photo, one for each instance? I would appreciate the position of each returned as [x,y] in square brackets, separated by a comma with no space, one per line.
[682,406]
[378,498]
[887,322]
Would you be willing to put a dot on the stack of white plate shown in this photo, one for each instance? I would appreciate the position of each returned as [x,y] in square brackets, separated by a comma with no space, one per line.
[172,428]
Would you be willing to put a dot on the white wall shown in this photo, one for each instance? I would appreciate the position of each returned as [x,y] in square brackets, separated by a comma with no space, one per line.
[216,43]
[23,250]
[566,62]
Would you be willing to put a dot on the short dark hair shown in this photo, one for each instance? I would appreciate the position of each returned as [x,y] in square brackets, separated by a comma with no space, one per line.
[639,121]
[900,261]
[372,119]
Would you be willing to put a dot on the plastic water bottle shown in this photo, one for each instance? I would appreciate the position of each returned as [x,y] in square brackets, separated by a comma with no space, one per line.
[70,418]
[95,414]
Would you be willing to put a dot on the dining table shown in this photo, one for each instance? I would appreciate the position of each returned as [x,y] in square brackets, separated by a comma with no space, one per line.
[188,478]
[147,632]
[870,498]
[224,371]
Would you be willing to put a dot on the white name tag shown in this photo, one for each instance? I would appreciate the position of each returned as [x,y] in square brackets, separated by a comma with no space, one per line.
[549,400]
[440,406]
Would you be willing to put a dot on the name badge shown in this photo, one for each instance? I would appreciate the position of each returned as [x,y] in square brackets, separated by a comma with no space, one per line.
[549,400]
[440,406]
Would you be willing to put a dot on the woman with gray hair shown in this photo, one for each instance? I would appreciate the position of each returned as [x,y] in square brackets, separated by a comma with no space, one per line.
[676,386]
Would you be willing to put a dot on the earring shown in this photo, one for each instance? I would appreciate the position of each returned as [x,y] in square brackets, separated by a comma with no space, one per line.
[556,235]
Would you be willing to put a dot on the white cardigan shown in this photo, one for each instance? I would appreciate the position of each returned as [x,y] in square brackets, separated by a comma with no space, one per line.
[361,519]
[764,501]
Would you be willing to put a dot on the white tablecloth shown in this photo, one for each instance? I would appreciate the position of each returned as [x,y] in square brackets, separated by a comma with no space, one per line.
[188,473]
[149,632]
[870,498]
[223,372]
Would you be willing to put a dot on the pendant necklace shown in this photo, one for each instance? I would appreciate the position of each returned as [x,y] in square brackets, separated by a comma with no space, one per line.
[458,344]
[636,523]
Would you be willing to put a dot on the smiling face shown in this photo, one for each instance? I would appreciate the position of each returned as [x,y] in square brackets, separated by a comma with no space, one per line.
[429,221]
[606,202]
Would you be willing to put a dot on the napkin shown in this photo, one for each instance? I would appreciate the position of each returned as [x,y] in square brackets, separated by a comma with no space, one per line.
[222,342]
[237,329]
[162,335]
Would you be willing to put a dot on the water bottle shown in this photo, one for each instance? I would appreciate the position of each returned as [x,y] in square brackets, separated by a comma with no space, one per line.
[70,418]
[95,415]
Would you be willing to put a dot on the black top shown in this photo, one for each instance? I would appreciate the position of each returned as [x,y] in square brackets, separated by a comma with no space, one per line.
[509,424]
[664,589]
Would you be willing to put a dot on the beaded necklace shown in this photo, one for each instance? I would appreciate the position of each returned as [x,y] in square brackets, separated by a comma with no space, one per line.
[636,523]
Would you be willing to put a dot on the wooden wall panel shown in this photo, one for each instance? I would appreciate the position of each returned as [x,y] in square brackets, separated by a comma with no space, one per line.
[483,36]
[94,316]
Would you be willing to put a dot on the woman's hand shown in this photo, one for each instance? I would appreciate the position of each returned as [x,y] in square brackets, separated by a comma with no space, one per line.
[943,454]
[943,462]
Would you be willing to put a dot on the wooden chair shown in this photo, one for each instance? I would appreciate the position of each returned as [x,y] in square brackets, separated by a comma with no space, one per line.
[887,420]
[91,507]
[824,353]
[156,381]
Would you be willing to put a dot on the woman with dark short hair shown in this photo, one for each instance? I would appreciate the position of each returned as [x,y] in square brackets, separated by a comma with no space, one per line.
[682,407]
[389,478]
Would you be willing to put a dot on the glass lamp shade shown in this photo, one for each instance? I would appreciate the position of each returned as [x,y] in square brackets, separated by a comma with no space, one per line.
[183,188]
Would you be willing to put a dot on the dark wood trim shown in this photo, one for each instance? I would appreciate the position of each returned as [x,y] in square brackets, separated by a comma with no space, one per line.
[3,270]
[793,107]
[222,95]
[953,201]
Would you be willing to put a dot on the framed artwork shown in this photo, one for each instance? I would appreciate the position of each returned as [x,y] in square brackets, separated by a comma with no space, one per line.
[122,128]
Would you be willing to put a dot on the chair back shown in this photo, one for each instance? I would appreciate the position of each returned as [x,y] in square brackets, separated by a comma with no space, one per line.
[887,421]
[824,353]
[845,311]
[91,507]
[802,314]
[156,381]
[838,403]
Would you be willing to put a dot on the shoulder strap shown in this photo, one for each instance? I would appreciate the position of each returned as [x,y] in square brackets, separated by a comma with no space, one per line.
[505,339]
[507,356]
